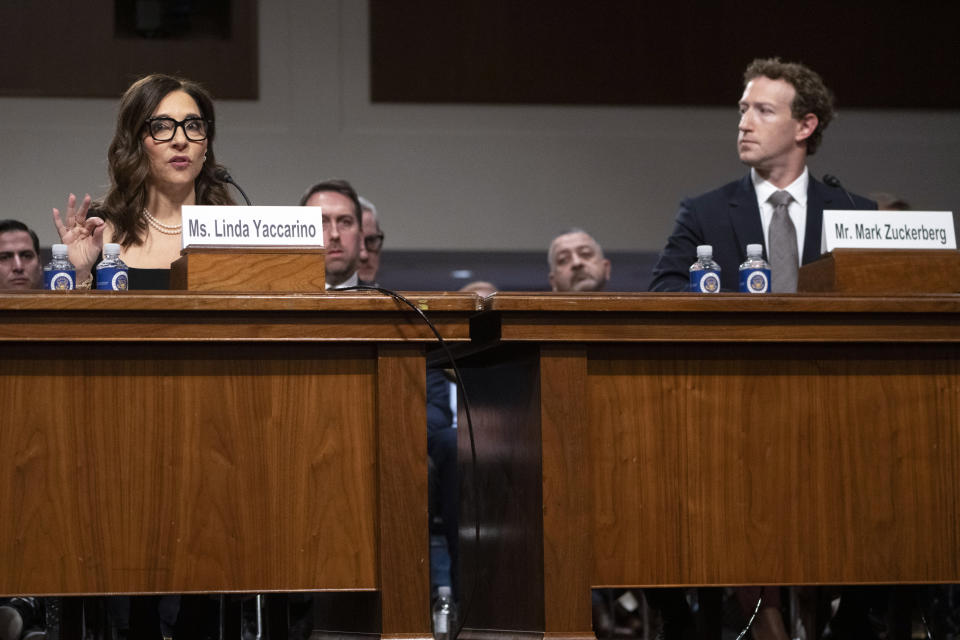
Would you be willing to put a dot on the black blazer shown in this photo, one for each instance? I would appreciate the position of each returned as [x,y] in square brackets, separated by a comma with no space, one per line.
[728,218]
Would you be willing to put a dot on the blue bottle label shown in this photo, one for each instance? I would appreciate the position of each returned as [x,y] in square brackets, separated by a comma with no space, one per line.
[705,282]
[112,278]
[61,280]
[755,281]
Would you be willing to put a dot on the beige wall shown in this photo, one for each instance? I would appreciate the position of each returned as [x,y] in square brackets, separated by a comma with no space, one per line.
[461,177]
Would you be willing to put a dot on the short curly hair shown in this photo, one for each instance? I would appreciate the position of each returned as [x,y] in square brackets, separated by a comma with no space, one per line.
[813,96]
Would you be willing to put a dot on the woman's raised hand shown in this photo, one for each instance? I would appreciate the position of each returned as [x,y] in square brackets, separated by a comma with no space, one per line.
[82,235]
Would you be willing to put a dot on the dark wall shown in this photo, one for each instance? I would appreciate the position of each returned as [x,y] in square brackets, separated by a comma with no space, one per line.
[99,47]
[623,52]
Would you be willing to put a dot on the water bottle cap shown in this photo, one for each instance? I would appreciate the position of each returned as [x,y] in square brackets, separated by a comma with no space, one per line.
[111,249]
[705,251]
[59,250]
[444,590]
[754,250]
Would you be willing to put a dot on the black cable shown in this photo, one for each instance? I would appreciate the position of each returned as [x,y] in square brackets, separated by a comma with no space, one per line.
[473,447]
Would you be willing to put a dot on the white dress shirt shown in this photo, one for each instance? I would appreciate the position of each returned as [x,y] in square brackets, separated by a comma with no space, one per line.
[352,281]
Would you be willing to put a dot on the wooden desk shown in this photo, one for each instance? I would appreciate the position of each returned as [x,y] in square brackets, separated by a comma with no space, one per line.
[180,442]
[674,439]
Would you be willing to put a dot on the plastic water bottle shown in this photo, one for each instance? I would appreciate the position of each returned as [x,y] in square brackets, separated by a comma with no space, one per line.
[755,272]
[59,274]
[112,272]
[705,273]
[444,614]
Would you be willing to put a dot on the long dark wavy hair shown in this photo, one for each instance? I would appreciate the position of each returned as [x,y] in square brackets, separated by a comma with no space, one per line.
[129,164]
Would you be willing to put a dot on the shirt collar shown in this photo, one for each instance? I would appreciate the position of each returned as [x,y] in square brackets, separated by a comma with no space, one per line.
[352,281]
[797,188]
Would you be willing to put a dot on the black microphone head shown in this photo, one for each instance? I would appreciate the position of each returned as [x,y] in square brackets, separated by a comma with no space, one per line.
[222,175]
[831,181]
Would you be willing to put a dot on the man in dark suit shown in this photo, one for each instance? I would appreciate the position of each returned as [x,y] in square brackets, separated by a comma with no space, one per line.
[342,220]
[784,110]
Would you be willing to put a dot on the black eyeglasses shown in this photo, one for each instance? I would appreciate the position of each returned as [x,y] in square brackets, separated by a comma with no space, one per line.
[163,129]
[374,242]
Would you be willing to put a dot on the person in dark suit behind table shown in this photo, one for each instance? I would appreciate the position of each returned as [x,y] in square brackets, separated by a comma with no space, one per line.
[784,110]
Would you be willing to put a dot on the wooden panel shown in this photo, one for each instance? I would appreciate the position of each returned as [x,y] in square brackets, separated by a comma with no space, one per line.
[566,491]
[155,467]
[728,303]
[355,301]
[502,578]
[249,269]
[725,327]
[688,317]
[402,533]
[775,464]
[180,317]
[883,271]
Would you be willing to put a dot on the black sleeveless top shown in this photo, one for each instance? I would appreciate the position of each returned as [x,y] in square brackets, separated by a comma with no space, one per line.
[148,279]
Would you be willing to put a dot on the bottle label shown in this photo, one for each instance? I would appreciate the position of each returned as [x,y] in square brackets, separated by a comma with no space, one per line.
[59,280]
[705,282]
[755,281]
[111,278]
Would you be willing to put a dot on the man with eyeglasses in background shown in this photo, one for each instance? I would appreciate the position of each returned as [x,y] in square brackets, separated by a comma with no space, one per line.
[371,243]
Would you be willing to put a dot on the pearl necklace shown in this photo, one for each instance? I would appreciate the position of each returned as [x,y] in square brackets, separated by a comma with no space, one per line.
[170,230]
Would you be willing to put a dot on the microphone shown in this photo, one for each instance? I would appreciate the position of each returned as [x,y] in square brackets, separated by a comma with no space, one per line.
[833,181]
[223,175]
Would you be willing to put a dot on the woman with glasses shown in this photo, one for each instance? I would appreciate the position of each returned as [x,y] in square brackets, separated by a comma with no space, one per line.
[161,158]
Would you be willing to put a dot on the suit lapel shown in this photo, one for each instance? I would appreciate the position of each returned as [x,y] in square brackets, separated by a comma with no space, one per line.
[819,197]
[745,216]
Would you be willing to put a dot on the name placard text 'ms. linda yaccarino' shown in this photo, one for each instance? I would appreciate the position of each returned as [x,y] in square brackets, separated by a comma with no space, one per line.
[255,226]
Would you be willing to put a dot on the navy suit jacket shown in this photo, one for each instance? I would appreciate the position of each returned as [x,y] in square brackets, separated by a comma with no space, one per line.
[728,218]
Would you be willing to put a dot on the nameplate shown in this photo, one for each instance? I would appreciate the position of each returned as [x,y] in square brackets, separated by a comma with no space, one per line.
[255,226]
[888,230]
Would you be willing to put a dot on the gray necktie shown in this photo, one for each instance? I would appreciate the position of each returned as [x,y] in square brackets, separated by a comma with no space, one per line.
[784,258]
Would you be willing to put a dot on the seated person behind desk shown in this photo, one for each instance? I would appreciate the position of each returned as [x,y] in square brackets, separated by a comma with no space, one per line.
[783,111]
[341,218]
[576,263]
[161,158]
[371,243]
[19,256]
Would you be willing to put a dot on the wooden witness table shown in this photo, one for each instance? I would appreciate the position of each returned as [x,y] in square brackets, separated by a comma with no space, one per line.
[674,439]
[173,442]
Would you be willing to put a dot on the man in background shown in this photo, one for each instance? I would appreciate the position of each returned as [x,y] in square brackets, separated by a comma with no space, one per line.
[341,218]
[371,243]
[20,266]
[576,262]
